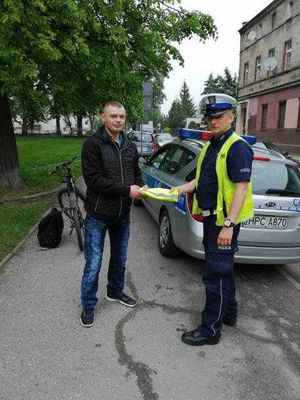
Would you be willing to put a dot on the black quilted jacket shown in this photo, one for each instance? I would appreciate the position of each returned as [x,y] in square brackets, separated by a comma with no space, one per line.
[108,173]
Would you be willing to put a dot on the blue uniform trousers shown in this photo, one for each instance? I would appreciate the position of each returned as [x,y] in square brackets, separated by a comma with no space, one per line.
[218,279]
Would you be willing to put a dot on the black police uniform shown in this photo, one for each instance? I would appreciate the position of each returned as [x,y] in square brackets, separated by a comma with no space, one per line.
[218,275]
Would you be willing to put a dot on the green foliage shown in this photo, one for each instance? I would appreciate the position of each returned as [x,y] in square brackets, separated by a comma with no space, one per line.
[176,116]
[186,101]
[226,84]
[194,125]
[158,87]
[71,56]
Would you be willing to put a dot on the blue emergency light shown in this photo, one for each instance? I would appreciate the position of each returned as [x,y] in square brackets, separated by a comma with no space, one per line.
[185,133]
[249,139]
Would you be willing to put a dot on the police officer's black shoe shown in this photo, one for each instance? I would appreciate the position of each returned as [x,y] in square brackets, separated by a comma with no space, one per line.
[196,338]
[230,322]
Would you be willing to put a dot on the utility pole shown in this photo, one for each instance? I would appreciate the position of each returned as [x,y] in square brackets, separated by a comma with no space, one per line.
[148,105]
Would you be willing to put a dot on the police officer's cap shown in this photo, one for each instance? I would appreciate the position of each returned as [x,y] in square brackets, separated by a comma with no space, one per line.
[215,104]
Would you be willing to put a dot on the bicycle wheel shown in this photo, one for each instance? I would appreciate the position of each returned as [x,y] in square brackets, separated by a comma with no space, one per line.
[78,225]
[64,202]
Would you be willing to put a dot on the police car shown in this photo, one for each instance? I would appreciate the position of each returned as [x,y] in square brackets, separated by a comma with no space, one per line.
[272,236]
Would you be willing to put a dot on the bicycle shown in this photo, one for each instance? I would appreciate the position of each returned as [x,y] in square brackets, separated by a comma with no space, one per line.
[71,200]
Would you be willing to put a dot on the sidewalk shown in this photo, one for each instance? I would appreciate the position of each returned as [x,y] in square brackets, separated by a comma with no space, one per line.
[45,352]
[137,353]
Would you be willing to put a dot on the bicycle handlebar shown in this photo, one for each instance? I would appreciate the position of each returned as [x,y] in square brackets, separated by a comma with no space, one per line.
[63,166]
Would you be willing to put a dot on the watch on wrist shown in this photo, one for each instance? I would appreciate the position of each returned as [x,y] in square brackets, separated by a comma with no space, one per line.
[228,223]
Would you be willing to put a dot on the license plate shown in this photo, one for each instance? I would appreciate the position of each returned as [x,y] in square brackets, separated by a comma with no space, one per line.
[145,148]
[266,222]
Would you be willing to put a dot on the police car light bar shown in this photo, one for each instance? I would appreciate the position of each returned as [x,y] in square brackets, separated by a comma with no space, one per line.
[249,139]
[185,133]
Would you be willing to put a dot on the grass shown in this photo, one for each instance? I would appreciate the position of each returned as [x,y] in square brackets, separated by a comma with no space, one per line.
[37,157]
[17,219]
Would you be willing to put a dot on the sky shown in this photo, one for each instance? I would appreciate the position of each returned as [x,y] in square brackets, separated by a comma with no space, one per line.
[201,59]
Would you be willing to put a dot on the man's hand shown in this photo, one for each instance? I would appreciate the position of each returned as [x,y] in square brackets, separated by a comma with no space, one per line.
[225,237]
[135,192]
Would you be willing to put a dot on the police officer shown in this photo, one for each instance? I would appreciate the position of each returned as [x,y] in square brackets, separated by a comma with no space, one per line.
[223,193]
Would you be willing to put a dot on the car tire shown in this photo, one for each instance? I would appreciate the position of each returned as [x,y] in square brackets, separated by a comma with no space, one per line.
[166,243]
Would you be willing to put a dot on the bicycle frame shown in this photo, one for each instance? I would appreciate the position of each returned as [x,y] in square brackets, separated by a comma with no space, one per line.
[70,206]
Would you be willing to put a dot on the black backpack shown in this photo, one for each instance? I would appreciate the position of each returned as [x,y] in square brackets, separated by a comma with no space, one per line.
[50,229]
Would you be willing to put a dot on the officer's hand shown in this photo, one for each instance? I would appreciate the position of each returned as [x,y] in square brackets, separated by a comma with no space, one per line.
[186,188]
[225,237]
[181,189]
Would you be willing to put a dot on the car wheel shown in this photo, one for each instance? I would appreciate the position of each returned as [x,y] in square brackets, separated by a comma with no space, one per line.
[166,244]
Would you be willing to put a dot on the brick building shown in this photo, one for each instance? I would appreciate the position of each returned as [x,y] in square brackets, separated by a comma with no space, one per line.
[269,75]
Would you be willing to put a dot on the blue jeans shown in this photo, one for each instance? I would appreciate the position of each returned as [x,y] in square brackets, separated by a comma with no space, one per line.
[218,279]
[95,232]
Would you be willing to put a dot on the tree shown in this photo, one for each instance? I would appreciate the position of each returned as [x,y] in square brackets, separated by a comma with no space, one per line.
[222,84]
[176,115]
[75,55]
[186,101]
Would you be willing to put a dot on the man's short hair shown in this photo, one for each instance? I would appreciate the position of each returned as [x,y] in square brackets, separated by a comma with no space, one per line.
[113,104]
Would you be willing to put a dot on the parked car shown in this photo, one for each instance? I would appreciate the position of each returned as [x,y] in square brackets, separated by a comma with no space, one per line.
[272,236]
[163,138]
[273,147]
[145,143]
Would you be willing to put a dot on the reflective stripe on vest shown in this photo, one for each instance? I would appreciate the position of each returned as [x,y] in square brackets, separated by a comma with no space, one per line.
[226,187]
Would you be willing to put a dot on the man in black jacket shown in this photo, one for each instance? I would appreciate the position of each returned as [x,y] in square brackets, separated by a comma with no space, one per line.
[113,178]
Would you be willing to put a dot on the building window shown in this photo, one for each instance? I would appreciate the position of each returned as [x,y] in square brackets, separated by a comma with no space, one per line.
[264,116]
[281,114]
[272,52]
[257,68]
[246,72]
[273,20]
[287,55]
[271,55]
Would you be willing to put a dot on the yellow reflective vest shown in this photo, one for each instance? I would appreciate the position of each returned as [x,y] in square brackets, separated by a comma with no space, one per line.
[161,194]
[226,187]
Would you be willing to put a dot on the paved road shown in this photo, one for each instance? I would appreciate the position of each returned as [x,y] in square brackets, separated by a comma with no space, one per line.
[137,354]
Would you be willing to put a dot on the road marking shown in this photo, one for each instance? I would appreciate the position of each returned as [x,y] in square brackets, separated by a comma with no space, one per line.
[289,278]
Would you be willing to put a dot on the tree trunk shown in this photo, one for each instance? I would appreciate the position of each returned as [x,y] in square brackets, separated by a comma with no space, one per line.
[58,129]
[24,125]
[79,125]
[31,125]
[10,177]
[69,123]
[92,122]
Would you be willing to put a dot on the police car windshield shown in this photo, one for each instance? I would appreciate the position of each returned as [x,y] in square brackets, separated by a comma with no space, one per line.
[275,178]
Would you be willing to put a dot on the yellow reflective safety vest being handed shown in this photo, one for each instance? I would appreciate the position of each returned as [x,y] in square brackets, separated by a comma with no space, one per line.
[161,194]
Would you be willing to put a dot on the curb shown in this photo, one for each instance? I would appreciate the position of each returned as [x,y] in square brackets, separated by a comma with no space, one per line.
[289,276]
[34,227]
[21,243]
[30,197]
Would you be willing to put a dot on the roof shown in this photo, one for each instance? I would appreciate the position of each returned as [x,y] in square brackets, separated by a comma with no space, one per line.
[259,16]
